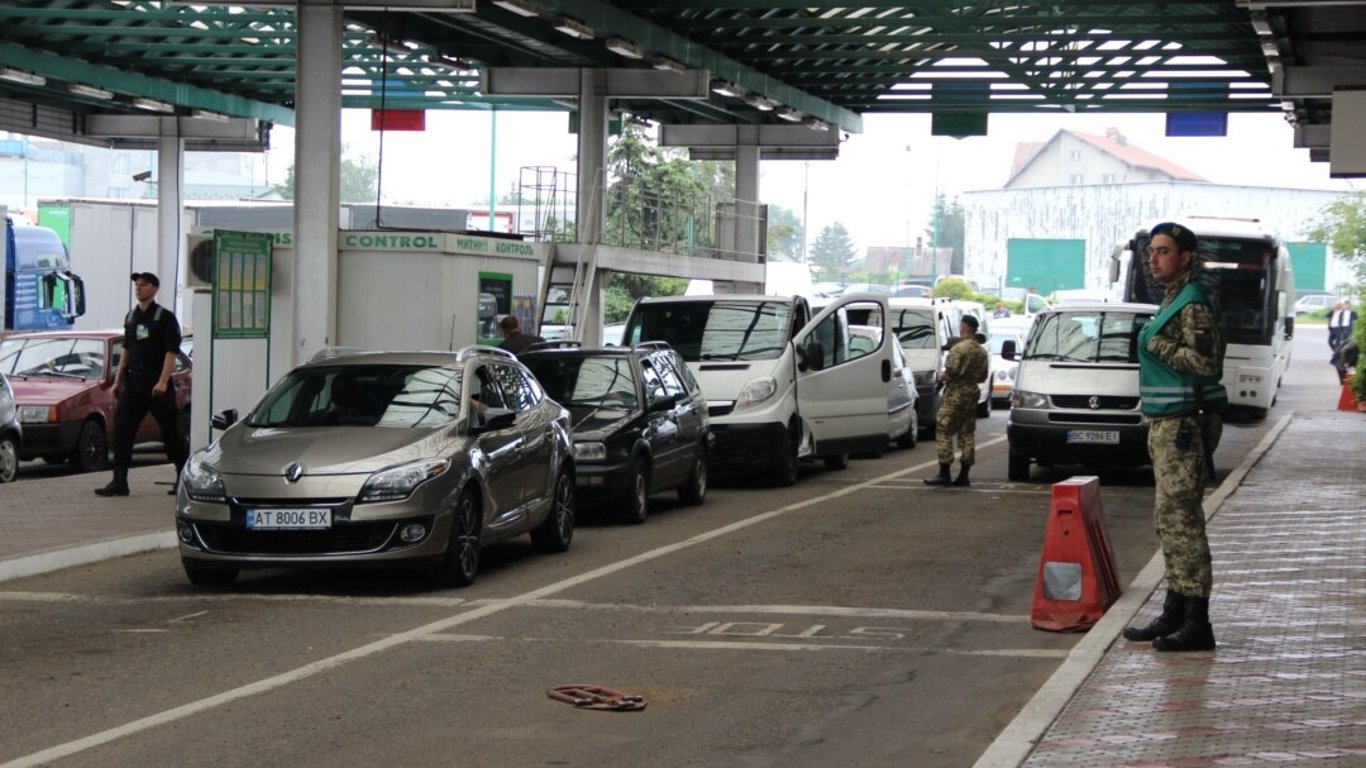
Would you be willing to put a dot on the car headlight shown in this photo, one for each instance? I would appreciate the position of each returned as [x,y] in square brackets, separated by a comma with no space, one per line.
[755,392]
[37,414]
[924,378]
[202,481]
[590,452]
[1020,399]
[399,482]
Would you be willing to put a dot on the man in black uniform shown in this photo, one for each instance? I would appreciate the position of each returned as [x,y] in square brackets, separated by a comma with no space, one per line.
[151,342]
[514,340]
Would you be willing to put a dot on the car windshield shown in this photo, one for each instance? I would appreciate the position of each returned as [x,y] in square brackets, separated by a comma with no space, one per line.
[601,382]
[375,395]
[60,357]
[1086,337]
[914,328]
[714,330]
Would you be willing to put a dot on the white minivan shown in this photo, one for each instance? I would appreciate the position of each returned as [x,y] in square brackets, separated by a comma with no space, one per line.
[780,383]
[1076,389]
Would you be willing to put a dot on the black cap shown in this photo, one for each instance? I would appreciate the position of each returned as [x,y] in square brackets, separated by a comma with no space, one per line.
[970,322]
[148,276]
[1185,239]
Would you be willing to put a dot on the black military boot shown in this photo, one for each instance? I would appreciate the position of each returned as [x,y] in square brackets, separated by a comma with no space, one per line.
[1195,633]
[116,487]
[962,478]
[1173,613]
[943,477]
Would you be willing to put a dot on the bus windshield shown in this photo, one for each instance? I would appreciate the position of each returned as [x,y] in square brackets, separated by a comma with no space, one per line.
[1240,270]
[714,330]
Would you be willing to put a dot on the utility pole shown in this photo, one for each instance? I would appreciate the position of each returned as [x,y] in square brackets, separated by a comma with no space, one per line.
[806,188]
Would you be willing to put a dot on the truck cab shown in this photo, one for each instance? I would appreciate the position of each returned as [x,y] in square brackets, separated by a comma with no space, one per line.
[41,293]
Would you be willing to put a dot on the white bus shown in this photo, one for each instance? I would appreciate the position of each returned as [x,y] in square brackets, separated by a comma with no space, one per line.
[1255,289]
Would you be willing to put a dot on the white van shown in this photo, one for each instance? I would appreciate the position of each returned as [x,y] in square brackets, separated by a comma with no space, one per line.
[780,384]
[1076,390]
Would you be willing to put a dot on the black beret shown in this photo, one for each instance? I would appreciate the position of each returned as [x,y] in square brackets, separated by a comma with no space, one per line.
[1185,239]
[970,322]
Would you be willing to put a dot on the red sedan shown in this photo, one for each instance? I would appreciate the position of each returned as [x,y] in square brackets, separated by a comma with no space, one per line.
[63,386]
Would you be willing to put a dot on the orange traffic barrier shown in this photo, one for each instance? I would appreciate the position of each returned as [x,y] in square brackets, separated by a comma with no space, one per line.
[1347,401]
[1077,581]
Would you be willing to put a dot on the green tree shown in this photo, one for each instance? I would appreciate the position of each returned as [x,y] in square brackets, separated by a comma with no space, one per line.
[784,234]
[1342,224]
[945,229]
[623,289]
[834,248]
[359,180]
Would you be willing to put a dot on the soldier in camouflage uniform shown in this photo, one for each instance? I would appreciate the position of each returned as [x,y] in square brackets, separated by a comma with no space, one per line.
[965,369]
[1180,357]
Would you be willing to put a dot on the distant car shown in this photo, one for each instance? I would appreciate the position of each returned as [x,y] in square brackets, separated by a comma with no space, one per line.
[63,385]
[902,422]
[914,292]
[611,334]
[1074,296]
[383,459]
[1314,302]
[640,424]
[1003,371]
[11,433]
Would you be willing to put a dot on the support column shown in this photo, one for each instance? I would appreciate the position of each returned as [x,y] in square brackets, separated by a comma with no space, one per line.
[747,201]
[592,156]
[170,212]
[311,281]
[591,209]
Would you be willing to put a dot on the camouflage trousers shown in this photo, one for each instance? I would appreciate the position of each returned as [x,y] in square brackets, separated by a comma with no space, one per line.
[957,417]
[1178,510]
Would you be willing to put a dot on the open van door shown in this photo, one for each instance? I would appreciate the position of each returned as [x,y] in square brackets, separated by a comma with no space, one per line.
[843,399]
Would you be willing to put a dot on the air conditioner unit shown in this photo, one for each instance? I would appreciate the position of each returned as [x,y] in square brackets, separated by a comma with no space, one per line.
[199,258]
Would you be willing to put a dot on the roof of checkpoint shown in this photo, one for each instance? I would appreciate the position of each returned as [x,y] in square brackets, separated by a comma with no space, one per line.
[779,60]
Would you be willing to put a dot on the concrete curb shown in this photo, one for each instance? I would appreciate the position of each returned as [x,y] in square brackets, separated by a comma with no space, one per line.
[55,560]
[1014,744]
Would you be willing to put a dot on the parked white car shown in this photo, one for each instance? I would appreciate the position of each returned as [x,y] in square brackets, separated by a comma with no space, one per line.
[1003,371]
[902,424]
[1314,302]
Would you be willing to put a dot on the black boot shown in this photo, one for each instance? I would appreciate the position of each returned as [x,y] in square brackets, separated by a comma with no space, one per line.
[1195,633]
[962,478]
[942,479]
[1173,614]
[116,487]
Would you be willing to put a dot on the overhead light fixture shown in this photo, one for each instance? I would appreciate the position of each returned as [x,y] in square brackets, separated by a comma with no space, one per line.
[790,114]
[760,103]
[574,28]
[20,76]
[817,125]
[624,48]
[152,105]
[90,91]
[668,65]
[204,114]
[727,89]
[517,7]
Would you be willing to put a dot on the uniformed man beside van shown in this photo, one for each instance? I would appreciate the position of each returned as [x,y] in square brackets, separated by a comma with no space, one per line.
[151,343]
[967,367]
[1180,359]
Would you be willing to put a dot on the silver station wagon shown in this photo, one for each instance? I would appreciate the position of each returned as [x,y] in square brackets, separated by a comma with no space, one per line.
[392,459]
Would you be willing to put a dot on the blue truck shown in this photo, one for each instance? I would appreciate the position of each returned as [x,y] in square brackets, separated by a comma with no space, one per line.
[41,292]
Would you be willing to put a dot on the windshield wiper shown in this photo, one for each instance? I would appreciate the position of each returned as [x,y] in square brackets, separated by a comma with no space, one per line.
[720,356]
[53,372]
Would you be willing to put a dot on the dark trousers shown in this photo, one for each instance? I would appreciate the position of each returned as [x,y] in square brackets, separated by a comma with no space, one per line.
[135,402]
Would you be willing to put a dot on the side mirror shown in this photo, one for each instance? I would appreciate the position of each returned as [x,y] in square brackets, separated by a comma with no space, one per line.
[224,419]
[813,355]
[665,402]
[492,419]
[948,345]
[1008,350]
[1289,328]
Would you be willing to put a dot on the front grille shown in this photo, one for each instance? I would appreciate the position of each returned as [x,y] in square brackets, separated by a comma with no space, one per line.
[720,409]
[1103,402]
[1094,418]
[344,537]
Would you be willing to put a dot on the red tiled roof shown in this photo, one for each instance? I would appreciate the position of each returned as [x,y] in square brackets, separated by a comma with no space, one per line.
[1136,157]
[1025,152]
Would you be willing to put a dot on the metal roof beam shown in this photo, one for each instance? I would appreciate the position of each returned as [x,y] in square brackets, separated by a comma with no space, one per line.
[564,82]
[607,20]
[731,136]
[1298,82]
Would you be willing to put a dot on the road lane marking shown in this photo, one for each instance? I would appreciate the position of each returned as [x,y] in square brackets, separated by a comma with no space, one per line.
[742,645]
[793,610]
[187,617]
[475,613]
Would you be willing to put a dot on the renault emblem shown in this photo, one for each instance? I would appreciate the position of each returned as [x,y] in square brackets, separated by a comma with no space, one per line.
[293,472]
[1094,402]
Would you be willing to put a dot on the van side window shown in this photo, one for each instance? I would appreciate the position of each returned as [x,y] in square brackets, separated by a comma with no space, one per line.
[833,338]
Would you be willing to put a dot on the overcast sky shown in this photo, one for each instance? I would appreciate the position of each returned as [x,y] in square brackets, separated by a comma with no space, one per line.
[884,179]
